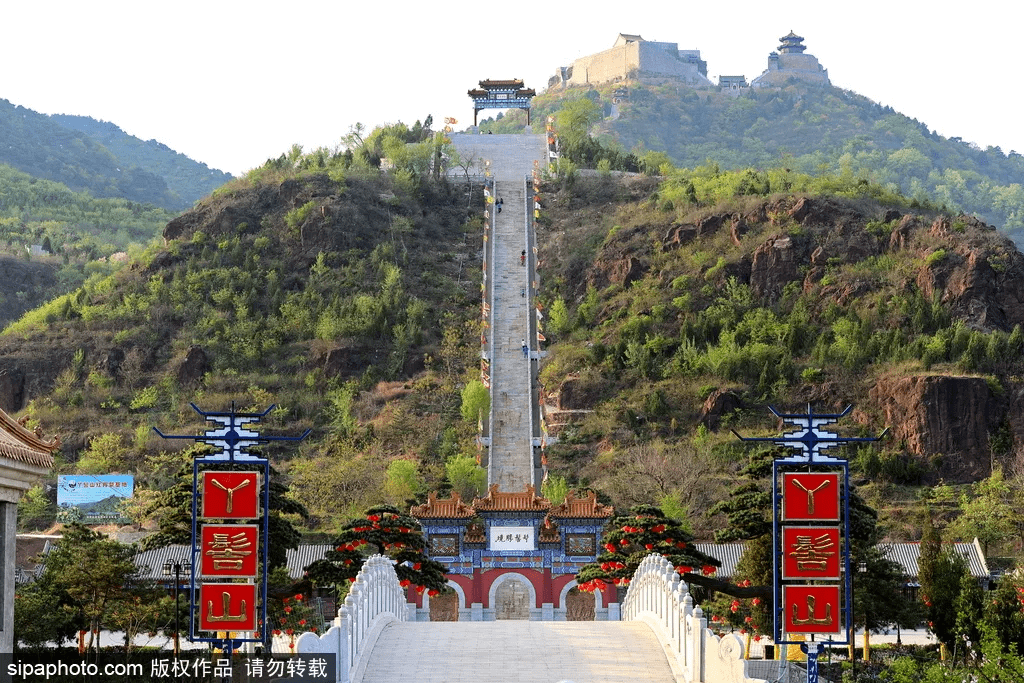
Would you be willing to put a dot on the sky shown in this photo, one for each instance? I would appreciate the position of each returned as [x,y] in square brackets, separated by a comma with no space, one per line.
[232,83]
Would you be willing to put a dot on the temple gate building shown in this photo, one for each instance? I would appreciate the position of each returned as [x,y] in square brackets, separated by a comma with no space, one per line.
[514,555]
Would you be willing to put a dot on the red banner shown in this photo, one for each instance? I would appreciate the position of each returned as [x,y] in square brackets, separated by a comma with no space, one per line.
[810,553]
[227,607]
[231,495]
[810,496]
[229,550]
[811,609]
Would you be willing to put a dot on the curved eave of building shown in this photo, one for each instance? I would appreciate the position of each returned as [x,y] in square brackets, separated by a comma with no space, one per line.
[512,83]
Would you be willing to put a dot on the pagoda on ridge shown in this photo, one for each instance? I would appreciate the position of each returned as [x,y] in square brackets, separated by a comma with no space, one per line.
[791,62]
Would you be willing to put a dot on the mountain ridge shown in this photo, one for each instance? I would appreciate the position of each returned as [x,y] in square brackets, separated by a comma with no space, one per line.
[73,150]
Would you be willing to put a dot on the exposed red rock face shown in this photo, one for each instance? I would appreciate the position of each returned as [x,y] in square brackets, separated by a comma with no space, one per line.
[720,403]
[193,367]
[939,414]
[775,263]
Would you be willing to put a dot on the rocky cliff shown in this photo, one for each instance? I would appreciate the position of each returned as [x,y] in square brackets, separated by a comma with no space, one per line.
[843,258]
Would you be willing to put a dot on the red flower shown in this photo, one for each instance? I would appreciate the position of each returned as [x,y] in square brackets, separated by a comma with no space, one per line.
[289,631]
[288,610]
[277,631]
[757,639]
[285,600]
[708,570]
[373,518]
[403,529]
[432,592]
[649,546]
[680,545]
[623,542]
[756,601]
[404,583]
[610,547]
[658,529]
[302,622]
[351,579]
[417,566]
[298,597]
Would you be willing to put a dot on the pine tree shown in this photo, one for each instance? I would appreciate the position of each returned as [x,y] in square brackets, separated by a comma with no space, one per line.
[387,531]
[632,537]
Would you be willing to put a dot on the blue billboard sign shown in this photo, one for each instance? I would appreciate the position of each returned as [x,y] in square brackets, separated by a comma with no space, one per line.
[94,498]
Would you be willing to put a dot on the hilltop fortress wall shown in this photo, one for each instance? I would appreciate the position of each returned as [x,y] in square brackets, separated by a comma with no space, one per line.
[632,57]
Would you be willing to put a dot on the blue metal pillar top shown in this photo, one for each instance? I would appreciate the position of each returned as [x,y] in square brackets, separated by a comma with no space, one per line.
[232,439]
[809,440]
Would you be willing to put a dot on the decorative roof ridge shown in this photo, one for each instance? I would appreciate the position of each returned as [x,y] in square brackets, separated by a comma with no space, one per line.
[20,443]
[511,501]
[586,507]
[501,83]
[452,508]
[32,438]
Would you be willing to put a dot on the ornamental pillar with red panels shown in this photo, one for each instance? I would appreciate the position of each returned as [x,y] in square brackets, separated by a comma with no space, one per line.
[514,555]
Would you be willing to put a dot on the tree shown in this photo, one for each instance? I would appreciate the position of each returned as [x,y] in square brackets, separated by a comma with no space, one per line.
[402,481]
[387,531]
[1006,615]
[631,537]
[93,572]
[466,476]
[45,613]
[991,513]
[574,120]
[476,401]
[969,615]
[141,610]
[939,573]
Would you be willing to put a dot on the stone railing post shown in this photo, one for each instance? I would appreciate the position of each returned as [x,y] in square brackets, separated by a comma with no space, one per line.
[660,598]
[375,599]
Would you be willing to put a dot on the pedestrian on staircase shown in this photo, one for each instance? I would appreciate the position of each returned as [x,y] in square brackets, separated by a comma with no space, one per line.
[526,350]
[522,258]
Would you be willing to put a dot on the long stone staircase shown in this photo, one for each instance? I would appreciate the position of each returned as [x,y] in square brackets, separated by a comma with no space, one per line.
[663,636]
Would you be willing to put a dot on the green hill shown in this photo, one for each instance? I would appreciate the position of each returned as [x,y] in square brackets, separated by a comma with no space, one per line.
[676,309]
[190,180]
[95,157]
[807,129]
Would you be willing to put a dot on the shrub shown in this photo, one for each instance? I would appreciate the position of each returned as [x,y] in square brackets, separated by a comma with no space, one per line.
[936,257]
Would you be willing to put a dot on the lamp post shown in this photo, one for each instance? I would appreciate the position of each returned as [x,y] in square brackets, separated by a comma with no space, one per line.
[176,567]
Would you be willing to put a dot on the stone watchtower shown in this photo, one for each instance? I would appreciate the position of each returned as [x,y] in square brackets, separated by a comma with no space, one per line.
[791,62]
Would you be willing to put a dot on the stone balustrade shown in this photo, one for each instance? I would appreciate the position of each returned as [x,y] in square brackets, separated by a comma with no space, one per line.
[658,597]
[374,601]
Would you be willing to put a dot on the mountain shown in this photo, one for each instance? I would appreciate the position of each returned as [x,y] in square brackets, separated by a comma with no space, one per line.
[810,129]
[96,157]
[676,309]
[190,180]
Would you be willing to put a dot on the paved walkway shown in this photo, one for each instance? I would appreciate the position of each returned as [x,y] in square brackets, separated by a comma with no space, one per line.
[518,652]
[511,156]
[511,462]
